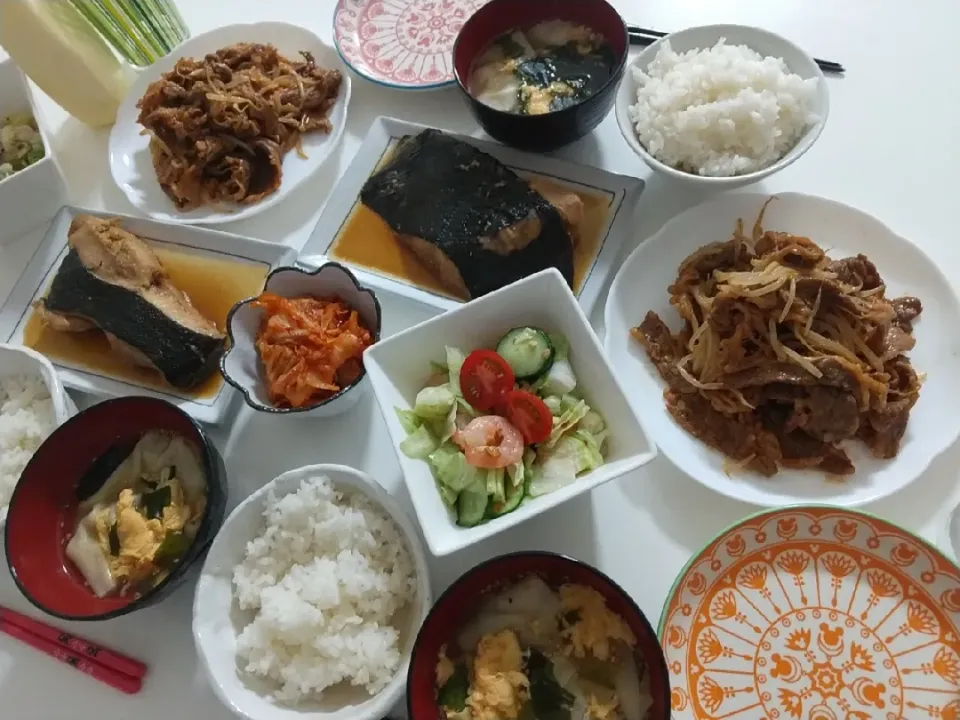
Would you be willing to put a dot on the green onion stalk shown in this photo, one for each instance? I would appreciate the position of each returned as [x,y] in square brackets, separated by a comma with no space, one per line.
[140,31]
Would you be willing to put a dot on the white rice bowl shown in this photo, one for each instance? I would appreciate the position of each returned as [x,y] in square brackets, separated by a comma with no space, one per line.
[27,417]
[723,111]
[310,599]
[325,577]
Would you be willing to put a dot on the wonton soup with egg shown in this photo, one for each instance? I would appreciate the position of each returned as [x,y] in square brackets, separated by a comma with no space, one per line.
[551,66]
[533,652]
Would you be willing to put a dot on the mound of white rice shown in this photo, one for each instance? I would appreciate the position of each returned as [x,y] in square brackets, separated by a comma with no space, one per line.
[325,576]
[26,419]
[720,112]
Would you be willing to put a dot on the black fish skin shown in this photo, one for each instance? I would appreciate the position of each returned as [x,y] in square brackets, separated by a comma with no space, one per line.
[184,357]
[451,194]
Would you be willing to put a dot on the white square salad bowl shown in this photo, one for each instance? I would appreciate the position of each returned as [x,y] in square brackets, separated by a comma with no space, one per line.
[400,367]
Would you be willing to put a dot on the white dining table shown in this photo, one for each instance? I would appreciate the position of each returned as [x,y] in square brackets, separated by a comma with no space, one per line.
[891,147]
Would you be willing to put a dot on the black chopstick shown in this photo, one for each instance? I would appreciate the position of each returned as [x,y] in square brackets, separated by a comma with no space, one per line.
[643,36]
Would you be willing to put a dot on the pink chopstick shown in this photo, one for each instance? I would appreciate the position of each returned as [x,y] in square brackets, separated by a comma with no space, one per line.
[100,654]
[119,672]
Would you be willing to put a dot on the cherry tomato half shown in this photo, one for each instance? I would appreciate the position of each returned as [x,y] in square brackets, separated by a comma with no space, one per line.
[529,414]
[485,378]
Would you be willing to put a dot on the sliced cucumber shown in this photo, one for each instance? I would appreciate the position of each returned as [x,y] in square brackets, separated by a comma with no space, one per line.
[447,494]
[496,485]
[528,351]
[472,504]
[514,496]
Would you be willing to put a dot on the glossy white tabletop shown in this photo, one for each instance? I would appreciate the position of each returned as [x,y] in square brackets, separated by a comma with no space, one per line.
[891,147]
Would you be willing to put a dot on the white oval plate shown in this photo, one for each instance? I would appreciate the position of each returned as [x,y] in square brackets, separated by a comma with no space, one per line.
[641,285]
[130,162]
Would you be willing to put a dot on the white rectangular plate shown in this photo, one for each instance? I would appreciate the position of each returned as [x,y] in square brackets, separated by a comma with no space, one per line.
[623,192]
[43,266]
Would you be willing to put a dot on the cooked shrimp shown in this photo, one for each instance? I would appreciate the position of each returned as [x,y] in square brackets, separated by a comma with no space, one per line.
[490,442]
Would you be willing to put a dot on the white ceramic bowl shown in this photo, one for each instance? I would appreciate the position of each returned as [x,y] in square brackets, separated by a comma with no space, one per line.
[130,162]
[764,42]
[400,365]
[216,616]
[641,285]
[35,194]
[241,366]
[16,360]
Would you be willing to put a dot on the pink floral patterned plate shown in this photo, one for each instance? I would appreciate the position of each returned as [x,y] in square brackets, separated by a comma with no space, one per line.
[403,44]
[814,613]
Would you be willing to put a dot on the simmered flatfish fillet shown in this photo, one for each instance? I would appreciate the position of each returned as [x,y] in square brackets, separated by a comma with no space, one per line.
[112,280]
[472,221]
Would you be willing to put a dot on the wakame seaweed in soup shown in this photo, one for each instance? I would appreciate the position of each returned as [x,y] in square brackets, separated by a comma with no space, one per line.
[552,66]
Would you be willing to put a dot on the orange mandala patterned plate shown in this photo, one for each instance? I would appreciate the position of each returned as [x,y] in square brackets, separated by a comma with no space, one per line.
[815,613]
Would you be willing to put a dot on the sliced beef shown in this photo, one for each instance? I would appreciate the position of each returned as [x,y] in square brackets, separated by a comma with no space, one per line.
[885,428]
[243,55]
[740,353]
[232,173]
[704,261]
[728,313]
[663,350]
[856,271]
[830,414]
[903,378]
[907,310]
[686,306]
[740,441]
[780,372]
[790,250]
[266,172]
[177,125]
[837,462]
[834,297]
[834,375]
[891,341]
[797,448]
[830,292]
[801,451]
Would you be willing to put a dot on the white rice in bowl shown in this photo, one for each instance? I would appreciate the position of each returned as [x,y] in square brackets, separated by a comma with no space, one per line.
[326,577]
[722,111]
[27,418]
